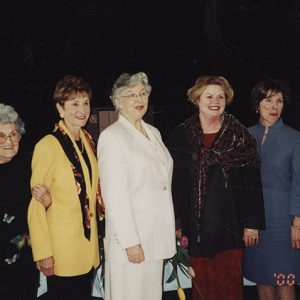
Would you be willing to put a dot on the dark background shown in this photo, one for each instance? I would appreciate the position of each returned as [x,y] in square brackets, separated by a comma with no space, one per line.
[173,41]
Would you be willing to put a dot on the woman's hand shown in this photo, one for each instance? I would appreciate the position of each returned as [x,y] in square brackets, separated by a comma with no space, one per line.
[191,272]
[41,193]
[46,266]
[295,233]
[250,237]
[135,254]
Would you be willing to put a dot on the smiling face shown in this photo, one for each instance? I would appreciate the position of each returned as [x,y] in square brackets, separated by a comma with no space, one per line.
[133,103]
[11,146]
[270,108]
[212,101]
[75,113]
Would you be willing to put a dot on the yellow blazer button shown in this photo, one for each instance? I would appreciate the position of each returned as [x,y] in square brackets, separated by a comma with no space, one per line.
[91,215]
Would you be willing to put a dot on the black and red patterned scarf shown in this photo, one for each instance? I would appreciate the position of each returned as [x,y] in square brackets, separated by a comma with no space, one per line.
[234,147]
[70,151]
[99,201]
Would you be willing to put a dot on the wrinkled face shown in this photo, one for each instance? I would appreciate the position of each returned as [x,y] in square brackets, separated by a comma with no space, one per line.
[75,112]
[270,108]
[212,101]
[10,147]
[133,103]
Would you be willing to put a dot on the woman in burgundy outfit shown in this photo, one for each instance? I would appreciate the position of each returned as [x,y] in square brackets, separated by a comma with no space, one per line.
[216,190]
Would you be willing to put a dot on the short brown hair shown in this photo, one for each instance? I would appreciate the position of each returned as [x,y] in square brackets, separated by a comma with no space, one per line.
[266,87]
[69,87]
[202,82]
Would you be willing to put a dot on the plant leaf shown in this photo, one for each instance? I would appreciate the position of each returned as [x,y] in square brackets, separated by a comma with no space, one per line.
[173,275]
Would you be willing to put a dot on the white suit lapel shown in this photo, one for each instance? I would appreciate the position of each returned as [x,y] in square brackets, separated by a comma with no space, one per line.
[158,147]
[152,145]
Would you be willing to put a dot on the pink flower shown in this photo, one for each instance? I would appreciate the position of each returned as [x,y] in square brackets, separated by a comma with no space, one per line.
[184,242]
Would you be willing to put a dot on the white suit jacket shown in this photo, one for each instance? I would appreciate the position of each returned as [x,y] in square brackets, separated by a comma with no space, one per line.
[135,178]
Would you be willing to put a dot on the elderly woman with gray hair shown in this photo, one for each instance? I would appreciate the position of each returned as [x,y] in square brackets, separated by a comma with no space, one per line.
[18,275]
[135,175]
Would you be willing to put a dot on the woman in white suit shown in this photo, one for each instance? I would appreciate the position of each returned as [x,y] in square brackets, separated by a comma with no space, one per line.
[135,175]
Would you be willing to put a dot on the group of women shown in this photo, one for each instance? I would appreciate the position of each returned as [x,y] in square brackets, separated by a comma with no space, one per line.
[231,188]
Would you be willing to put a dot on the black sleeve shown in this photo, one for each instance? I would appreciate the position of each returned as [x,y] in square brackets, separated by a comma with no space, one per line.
[177,145]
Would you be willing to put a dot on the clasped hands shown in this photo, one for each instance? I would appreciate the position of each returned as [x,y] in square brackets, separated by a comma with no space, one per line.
[135,254]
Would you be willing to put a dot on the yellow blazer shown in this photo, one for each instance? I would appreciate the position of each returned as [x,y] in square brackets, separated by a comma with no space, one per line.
[59,232]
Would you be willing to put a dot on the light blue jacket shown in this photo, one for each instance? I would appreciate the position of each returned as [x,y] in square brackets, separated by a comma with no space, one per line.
[280,173]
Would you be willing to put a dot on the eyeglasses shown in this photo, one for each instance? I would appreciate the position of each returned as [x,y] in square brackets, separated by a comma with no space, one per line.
[135,96]
[14,137]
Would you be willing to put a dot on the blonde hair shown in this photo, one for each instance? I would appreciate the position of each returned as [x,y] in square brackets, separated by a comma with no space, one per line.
[202,82]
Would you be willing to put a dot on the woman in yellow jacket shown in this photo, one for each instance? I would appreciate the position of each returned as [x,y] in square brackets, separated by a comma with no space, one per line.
[64,237]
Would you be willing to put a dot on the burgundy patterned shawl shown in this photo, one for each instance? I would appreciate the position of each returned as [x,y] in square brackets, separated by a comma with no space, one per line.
[234,147]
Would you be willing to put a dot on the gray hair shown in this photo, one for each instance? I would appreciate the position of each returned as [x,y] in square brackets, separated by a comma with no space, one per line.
[127,80]
[8,115]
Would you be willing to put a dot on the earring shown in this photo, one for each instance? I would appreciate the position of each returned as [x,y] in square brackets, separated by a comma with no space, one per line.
[61,116]
[257,110]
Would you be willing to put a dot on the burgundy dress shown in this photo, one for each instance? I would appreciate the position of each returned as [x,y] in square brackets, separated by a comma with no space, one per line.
[212,281]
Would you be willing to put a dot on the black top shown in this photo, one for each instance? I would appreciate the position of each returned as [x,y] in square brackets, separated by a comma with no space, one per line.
[85,157]
[18,273]
[229,207]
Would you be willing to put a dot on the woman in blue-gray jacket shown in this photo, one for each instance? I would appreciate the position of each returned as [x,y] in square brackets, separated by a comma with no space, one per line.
[274,263]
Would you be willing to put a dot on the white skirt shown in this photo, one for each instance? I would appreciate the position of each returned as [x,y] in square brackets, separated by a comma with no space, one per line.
[134,281]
